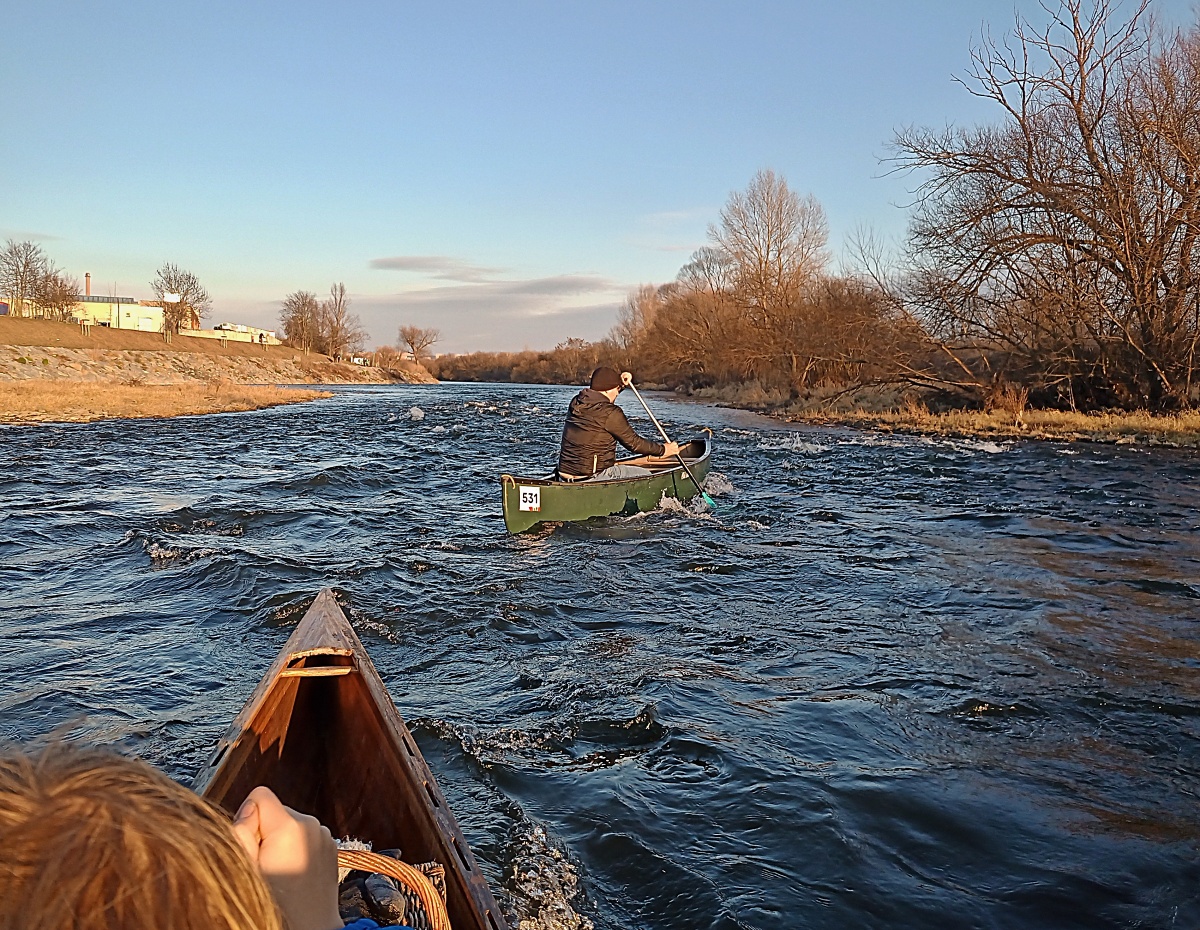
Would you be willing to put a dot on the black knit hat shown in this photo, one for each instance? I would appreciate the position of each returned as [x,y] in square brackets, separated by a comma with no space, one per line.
[605,379]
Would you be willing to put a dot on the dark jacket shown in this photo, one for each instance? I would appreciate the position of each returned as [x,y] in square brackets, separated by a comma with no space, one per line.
[594,427]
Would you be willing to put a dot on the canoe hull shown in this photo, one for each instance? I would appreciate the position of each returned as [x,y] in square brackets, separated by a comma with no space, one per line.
[322,732]
[557,501]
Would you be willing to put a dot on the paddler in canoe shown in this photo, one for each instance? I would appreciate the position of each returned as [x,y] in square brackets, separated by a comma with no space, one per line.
[595,424]
[589,481]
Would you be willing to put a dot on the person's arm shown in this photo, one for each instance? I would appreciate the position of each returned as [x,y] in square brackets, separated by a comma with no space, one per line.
[669,448]
[296,856]
[618,426]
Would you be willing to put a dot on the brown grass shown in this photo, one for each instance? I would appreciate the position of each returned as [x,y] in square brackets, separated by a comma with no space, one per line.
[40,401]
[1010,420]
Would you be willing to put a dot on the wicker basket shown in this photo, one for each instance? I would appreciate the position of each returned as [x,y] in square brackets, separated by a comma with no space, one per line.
[413,879]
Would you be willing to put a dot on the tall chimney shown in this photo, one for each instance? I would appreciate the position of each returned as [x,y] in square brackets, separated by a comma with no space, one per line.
[87,284]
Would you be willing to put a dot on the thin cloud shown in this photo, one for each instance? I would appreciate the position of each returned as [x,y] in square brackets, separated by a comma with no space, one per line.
[500,315]
[673,231]
[441,267]
[561,285]
[19,235]
[668,218]
[674,248]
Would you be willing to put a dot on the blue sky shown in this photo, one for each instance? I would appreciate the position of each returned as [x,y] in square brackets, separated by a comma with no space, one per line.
[505,172]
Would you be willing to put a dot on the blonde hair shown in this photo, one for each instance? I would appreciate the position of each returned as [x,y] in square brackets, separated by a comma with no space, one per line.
[90,840]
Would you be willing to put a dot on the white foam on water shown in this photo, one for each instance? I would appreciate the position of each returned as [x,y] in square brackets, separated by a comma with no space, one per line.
[162,553]
[485,407]
[987,446]
[672,503]
[416,413]
[718,485]
[165,555]
[696,508]
[545,884]
[791,442]
[993,448]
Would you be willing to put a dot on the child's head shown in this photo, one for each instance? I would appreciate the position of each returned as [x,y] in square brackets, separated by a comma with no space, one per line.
[90,840]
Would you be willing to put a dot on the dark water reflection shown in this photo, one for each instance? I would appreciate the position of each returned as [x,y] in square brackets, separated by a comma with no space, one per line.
[892,682]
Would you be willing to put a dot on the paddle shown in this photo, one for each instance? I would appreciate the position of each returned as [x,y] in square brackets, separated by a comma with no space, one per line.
[662,432]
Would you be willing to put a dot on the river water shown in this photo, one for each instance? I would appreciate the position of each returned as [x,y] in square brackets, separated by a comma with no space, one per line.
[891,682]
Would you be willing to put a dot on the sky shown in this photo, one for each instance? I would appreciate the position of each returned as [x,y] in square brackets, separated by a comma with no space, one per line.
[506,173]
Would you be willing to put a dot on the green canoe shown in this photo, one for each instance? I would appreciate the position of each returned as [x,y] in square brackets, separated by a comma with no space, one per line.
[530,501]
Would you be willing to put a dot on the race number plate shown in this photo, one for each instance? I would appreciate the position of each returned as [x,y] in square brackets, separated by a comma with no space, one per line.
[531,498]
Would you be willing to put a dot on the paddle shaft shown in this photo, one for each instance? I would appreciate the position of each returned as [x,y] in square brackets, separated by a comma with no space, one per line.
[662,432]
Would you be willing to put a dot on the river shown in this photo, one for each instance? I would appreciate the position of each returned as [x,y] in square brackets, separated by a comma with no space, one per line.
[891,682]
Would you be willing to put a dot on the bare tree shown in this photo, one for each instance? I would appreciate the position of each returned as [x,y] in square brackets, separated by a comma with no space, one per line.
[387,357]
[775,241]
[1062,246]
[635,316]
[418,340]
[182,297]
[23,269]
[342,330]
[58,293]
[300,319]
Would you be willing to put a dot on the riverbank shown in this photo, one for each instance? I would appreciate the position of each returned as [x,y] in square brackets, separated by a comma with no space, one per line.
[44,401]
[49,350]
[889,413]
[1140,428]
[53,372]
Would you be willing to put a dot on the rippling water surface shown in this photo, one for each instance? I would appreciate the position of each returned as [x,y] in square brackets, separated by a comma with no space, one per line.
[890,682]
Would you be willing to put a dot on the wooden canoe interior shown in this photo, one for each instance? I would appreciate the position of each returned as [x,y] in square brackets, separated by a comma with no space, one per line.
[689,452]
[323,734]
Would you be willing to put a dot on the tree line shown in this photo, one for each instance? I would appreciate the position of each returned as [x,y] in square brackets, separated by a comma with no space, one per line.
[327,326]
[1052,256]
[35,287]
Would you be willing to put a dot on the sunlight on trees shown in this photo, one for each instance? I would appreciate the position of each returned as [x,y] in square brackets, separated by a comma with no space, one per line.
[193,303]
[325,326]
[32,285]
[1059,248]
[418,340]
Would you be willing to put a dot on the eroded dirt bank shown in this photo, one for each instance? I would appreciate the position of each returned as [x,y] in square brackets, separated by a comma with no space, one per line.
[47,349]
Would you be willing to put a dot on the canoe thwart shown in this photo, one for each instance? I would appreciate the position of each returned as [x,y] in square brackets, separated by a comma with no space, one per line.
[318,671]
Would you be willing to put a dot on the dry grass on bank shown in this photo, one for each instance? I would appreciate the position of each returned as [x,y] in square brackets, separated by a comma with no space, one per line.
[890,409]
[74,402]
[1125,428]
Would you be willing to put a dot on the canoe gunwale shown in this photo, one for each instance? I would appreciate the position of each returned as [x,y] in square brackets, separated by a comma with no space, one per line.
[661,465]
